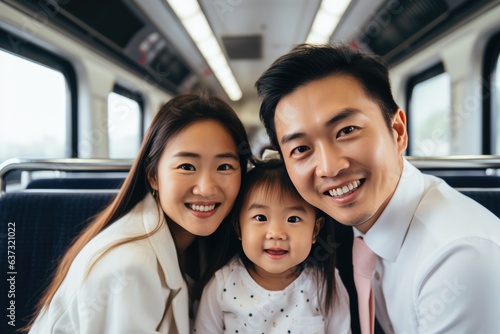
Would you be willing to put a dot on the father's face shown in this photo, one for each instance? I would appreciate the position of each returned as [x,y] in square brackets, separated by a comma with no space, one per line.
[338,150]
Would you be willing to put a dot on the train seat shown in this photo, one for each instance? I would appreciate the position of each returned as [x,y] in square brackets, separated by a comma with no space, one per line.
[41,225]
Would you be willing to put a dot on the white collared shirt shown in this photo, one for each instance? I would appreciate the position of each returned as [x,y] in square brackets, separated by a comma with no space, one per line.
[439,260]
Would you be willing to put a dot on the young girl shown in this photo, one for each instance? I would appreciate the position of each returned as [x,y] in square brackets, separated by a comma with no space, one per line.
[284,280]
[126,272]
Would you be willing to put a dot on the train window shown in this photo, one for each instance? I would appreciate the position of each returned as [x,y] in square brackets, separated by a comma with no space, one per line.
[491,104]
[124,125]
[429,113]
[491,94]
[496,104]
[33,109]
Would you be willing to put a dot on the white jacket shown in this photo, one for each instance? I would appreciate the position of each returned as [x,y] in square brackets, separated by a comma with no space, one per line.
[134,288]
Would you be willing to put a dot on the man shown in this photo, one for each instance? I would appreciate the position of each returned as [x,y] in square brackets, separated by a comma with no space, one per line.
[329,110]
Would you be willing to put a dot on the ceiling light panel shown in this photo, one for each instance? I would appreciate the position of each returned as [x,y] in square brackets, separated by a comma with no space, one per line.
[196,24]
[329,14]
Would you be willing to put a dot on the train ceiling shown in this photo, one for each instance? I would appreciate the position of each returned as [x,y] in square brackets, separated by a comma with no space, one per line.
[147,37]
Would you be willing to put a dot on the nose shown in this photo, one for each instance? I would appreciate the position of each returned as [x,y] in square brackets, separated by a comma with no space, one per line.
[206,186]
[275,231]
[330,160]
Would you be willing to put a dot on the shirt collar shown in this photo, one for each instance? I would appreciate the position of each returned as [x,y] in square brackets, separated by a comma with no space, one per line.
[386,236]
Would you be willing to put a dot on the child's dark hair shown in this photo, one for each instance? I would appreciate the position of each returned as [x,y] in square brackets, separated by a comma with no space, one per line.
[271,175]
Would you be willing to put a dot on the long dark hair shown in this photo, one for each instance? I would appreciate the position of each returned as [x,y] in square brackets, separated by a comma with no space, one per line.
[271,176]
[172,117]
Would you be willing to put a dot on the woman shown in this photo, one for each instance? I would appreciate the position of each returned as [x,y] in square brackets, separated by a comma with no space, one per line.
[126,272]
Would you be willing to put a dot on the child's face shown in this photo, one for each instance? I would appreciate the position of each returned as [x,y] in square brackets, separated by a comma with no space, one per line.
[276,231]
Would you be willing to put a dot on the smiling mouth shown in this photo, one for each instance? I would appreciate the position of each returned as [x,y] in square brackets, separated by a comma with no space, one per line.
[276,252]
[346,189]
[202,208]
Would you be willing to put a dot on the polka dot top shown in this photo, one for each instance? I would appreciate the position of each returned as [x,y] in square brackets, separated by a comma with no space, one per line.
[233,302]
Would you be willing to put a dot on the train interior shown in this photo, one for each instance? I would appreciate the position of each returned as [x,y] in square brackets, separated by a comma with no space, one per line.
[142,50]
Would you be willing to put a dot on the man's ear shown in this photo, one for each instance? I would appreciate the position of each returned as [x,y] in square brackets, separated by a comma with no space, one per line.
[317,227]
[398,125]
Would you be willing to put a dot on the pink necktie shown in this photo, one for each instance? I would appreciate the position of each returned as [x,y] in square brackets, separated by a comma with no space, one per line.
[363,260]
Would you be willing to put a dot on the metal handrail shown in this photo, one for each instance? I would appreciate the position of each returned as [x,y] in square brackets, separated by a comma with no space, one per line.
[456,162]
[71,164]
[116,165]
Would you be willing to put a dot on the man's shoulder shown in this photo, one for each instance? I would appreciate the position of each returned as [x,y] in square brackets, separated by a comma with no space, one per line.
[448,214]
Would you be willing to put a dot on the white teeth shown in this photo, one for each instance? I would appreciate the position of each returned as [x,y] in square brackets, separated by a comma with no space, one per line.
[202,208]
[345,189]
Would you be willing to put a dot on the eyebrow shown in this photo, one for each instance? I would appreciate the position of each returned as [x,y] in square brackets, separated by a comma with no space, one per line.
[346,113]
[198,156]
[262,206]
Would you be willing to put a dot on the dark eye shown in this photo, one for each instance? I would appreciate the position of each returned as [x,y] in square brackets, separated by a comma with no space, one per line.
[300,149]
[346,131]
[293,219]
[187,167]
[225,167]
[260,218]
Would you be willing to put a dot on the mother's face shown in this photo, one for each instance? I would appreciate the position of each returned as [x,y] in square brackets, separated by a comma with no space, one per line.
[199,177]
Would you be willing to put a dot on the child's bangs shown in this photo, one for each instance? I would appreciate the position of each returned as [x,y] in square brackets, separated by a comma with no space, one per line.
[274,188]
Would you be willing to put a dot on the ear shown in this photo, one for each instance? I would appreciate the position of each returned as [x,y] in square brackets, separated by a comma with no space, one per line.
[152,182]
[399,130]
[317,227]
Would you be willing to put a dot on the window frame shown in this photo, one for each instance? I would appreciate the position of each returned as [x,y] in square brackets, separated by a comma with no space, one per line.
[414,80]
[491,57]
[17,46]
[137,97]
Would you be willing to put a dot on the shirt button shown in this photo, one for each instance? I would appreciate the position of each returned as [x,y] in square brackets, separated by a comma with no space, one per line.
[376,275]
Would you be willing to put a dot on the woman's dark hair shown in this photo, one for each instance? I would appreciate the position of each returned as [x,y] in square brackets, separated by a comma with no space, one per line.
[271,176]
[306,63]
[173,117]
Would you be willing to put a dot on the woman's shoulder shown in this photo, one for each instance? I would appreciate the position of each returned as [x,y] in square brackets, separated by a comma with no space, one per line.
[119,231]
[95,270]
[122,245]
[102,257]
[127,238]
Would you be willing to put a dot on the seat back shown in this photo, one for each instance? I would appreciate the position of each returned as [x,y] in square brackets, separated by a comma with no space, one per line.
[76,183]
[472,181]
[36,228]
[489,198]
